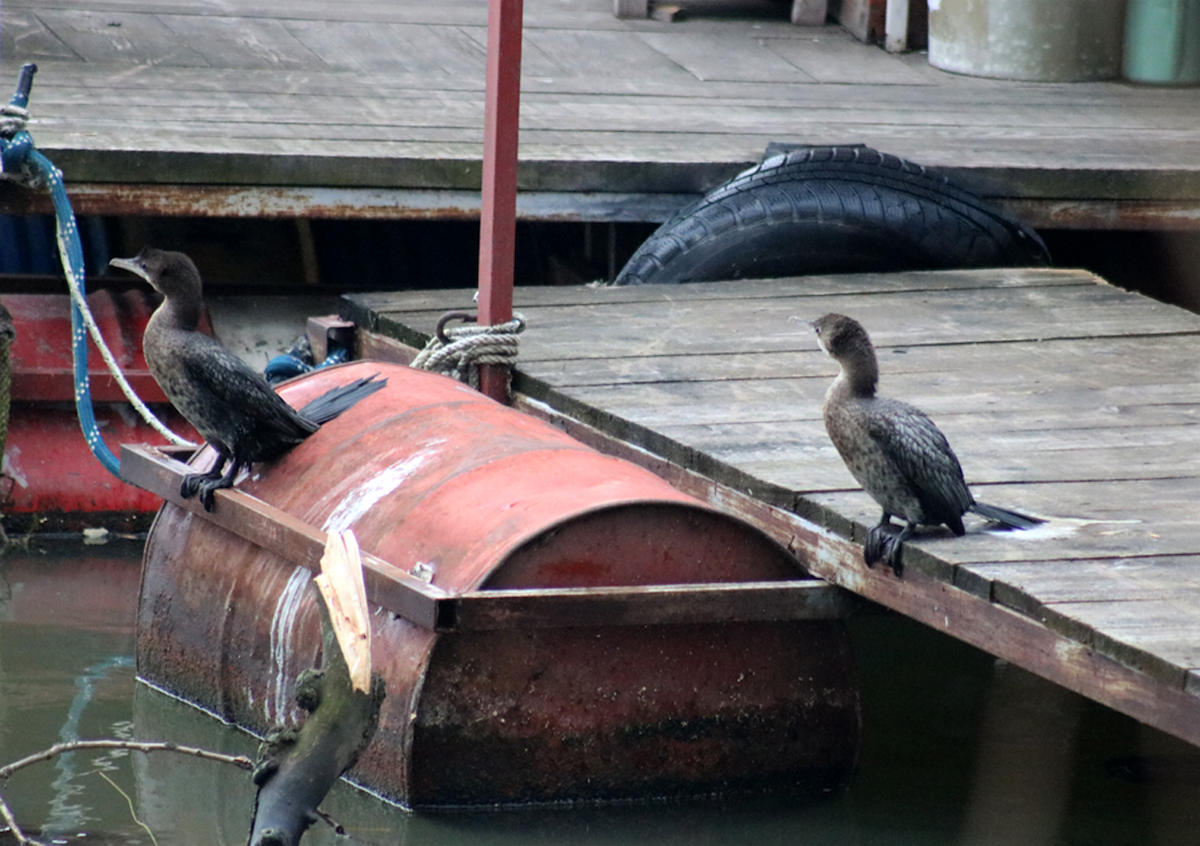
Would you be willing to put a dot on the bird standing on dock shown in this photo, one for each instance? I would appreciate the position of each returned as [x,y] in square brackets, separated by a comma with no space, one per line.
[230,405]
[894,451]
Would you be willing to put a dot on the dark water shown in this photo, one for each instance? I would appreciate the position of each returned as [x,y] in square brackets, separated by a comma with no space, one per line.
[957,750]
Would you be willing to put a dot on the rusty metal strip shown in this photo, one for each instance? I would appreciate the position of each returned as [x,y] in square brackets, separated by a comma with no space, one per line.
[394,589]
[289,202]
[1129,215]
[808,599]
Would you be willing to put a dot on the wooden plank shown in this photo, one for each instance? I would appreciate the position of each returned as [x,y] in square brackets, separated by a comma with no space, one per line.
[409,304]
[714,57]
[1013,636]
[401,48]
[1089,520]
[24,34]
[719,327]
[584,53]
[1016,584]
[242,42]
[830,61]
[100,37]
[1049,367]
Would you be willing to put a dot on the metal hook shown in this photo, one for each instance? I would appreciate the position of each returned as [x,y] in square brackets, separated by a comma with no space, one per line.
[465,316]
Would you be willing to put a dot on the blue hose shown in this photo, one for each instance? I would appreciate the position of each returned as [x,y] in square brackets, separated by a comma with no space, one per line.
[16,154]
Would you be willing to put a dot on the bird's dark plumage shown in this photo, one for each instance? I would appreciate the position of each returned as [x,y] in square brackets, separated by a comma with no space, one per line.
[230,405]
[894,451]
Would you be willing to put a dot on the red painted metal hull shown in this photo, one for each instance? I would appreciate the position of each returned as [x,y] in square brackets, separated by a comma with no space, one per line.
[50,473]
[436,478]
[48,470]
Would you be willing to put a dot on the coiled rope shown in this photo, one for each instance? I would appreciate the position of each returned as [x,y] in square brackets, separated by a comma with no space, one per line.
[458,351]
[21,162]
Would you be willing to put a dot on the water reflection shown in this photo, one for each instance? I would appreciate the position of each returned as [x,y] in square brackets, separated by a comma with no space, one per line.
[957,749]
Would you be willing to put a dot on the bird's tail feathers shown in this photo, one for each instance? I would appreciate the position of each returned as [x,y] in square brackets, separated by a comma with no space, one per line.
[1006,518]
[336,400]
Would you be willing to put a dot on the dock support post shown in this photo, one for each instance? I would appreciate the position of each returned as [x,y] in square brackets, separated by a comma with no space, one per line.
[895,39]
[497,232]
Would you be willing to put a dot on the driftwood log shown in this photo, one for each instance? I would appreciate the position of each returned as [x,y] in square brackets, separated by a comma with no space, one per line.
[297,768]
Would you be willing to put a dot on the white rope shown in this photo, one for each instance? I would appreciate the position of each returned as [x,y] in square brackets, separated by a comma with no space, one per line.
[94,330]
[13,119]
[470,346]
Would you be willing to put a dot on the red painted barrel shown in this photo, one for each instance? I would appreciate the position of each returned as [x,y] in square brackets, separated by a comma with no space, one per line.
[435,478]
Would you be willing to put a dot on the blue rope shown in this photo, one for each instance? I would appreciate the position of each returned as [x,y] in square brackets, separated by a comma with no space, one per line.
[72,254]
[296,362]
[17,153]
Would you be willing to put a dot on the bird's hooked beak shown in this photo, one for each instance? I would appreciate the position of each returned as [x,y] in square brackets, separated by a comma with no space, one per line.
[132,265]
[811,324]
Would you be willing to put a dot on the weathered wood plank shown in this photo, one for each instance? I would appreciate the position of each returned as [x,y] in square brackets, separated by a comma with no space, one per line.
[99,37]
[1092,519]
[1028,587]
[681,325]
[828,60]
[714,57]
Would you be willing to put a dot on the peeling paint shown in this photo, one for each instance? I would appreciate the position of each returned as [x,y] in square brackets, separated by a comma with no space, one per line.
[282,623]
[363,498]
[9,468]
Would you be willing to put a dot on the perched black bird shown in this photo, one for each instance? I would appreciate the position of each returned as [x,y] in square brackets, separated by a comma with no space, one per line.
[230,405]
[894,451]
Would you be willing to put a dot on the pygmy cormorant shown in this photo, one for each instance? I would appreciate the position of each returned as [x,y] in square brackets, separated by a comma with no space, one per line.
[894,451]
[230,405]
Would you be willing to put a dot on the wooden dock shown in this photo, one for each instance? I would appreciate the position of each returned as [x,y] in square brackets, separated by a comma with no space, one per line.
[1063,396]
[374,109]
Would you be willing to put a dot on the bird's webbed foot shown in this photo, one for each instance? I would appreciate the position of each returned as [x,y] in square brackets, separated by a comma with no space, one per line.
[194,482]
[885,543]
[208,487]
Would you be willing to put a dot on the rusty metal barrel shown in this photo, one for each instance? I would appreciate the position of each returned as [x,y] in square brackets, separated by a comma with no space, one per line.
[473,497]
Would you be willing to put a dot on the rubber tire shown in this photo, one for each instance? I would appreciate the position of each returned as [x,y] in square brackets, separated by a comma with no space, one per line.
[822,210]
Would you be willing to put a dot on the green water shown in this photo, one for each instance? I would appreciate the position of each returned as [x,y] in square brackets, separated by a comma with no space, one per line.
[956,750]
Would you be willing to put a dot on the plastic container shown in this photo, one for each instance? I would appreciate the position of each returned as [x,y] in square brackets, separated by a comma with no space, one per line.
[1033,40]
[1162,42]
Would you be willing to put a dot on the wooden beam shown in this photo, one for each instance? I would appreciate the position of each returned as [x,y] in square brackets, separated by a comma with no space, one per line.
[497,235]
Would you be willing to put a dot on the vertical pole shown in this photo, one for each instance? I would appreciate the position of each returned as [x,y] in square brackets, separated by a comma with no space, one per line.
[497,235]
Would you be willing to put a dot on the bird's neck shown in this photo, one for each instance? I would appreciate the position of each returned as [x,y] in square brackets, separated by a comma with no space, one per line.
[178,312]
[860,374]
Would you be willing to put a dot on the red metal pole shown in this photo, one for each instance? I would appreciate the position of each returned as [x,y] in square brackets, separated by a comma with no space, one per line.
[497,236]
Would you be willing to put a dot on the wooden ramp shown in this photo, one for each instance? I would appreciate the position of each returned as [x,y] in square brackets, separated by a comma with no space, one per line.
[1062,395]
